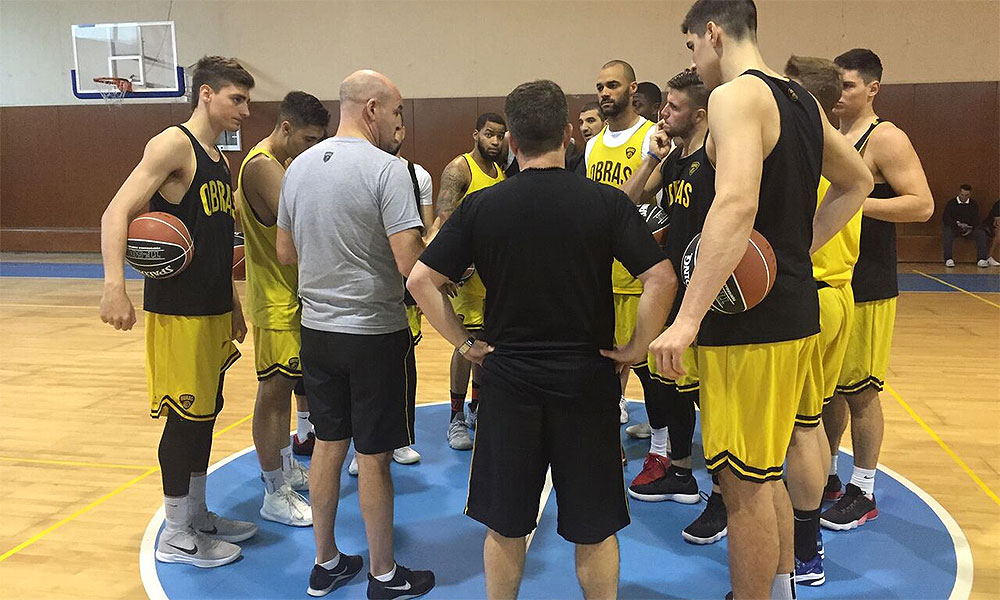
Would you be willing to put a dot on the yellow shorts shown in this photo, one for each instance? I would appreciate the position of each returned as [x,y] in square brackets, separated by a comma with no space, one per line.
[413,316]
[626,311]
[867,358]
[836,313]
[185,360]
[749,397]
[470,303]
[277,351]
[687,382]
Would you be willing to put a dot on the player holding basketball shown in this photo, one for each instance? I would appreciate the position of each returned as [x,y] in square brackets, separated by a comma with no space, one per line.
[769,142]
[464,175]
[273,304]
[901,195]
[191,318]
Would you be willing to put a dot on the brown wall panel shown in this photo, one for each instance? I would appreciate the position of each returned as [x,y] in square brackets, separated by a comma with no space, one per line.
[54,187]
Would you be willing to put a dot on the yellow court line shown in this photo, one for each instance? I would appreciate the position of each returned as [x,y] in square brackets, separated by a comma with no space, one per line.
[83,510]
[955,287]
[236,424]
[72,463]
[944,446]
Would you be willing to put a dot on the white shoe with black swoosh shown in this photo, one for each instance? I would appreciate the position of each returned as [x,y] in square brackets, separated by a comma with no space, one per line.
[189,547]
[405,584]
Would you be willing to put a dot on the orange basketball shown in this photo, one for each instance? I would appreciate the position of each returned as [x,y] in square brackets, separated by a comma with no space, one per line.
[159,245]
[239,257]
[750,282]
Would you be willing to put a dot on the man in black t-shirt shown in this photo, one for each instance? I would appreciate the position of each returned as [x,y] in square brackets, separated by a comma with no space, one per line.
[958,221]
[543,242]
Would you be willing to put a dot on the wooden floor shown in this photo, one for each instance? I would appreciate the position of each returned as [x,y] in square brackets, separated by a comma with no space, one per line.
[78,451]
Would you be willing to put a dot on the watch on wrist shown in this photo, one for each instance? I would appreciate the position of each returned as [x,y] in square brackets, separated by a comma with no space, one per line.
[467,345]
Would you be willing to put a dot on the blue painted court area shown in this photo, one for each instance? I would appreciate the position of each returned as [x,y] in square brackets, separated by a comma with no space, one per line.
[59,270]
[906,553]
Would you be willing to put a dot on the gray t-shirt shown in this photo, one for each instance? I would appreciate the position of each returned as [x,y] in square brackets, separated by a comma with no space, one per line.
[340,200]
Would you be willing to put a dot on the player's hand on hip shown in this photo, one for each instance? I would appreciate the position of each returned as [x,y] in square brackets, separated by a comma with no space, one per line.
[668,349]
[477,353]
[624,357]
[117,309]
[450,289]
[239,325]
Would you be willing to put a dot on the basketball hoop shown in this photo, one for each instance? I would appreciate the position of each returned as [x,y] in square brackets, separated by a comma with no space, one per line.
[113,89]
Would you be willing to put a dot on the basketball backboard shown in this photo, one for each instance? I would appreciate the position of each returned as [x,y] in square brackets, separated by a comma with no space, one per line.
[143,53]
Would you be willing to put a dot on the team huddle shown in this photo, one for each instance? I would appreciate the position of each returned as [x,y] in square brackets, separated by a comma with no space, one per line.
[536,265]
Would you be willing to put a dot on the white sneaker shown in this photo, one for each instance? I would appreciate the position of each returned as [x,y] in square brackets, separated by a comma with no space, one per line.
[288,507]
[992,262]
[622,406]
[458,435]
[297,476]
[982,264]
[640,431]
[471,418]
[405,455]
[352,469]
[949,263]
[227,530]
[187,546]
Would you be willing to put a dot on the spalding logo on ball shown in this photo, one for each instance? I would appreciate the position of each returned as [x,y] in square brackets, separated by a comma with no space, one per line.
[159,245]
[750,282]
[657,219]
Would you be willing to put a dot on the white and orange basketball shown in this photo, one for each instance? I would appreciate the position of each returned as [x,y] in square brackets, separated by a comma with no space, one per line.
[750,282]
[159,245]
[657,219]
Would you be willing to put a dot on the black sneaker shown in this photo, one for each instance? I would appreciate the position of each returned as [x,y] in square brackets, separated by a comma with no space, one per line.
[670,485]
[711,526]
[853,510]
[323,581]
[405,584]
[304,447]
[832,490]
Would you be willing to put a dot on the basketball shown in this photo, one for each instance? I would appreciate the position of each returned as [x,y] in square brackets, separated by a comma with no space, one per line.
[657,219]
[239,257]
[159,245]
[750,282]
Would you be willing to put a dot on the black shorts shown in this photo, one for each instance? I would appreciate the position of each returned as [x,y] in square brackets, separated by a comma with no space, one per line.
[356,385]
[519,434]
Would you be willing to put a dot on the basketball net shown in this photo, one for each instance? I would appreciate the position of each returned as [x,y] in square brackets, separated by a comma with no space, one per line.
[113,89]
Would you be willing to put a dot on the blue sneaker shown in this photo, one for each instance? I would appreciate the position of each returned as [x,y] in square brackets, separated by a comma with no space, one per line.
[810,573]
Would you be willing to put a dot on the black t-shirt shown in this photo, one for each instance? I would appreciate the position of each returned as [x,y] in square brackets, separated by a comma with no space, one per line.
[543,243]
[993,214]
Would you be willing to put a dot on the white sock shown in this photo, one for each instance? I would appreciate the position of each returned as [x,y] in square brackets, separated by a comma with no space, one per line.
[273,480]
[783,587]
[286,459]
[864,479]
[303,426]
[388,576]
[176,510]
[833,464]
[196,491]
[658,441]
[330,564]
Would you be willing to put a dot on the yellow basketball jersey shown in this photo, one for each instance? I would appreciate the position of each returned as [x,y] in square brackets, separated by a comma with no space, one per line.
[614,166]
[480,179]
[272,288]
[834,262]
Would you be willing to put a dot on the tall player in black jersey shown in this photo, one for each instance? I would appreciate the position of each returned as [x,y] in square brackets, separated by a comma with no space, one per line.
[192,318]
[901,195]
[769,143]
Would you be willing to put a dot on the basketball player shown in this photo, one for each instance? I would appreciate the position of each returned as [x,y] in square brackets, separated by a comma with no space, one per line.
[548,395]
[808,452]
[191,318]
[347,215]
[273,304]
[591,123]
[648,100]
[901,195]
[611,157]
[464,175]
[769,142]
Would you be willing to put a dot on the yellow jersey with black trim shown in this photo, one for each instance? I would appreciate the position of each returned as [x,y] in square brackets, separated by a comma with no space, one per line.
[834,262]
[614,166]
[272,288]
[480,179]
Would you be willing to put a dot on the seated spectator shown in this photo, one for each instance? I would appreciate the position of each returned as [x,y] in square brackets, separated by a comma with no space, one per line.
[959,215]
[991,226]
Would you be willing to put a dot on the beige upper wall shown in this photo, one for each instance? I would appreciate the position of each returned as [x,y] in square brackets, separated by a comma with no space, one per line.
[484,48]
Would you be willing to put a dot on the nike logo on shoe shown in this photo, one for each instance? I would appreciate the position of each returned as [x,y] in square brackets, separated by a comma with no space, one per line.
[400,588]
[191,551]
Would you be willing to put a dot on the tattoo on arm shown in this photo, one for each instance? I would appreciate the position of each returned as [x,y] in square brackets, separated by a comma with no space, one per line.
[455,181]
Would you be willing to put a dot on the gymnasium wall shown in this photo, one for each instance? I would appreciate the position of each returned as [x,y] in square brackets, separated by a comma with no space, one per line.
[63,159]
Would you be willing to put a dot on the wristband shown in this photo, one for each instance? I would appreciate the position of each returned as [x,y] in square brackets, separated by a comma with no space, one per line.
[467,345]
[655,156]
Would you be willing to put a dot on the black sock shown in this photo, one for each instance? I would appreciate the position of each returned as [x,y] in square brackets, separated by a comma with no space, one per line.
[806,530]
[474,401]
[457,405]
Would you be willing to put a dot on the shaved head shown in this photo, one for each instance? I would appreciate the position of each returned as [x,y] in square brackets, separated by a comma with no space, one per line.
[364,85]
[371,107]
[626,69]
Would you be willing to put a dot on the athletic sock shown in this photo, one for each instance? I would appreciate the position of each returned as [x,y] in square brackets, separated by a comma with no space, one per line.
[658,441]
[176,509]
[332,563]
[474,400]
[864,479]
[783,586]
[286,459]
[273,480]
[833,464]
[196,493]
[806,530]
[387,577]
[457,405]
[303,426]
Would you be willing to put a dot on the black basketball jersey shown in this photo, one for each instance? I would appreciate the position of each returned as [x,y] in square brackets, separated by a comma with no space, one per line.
[688,191]
[786,206]
[205,287]
[874,275]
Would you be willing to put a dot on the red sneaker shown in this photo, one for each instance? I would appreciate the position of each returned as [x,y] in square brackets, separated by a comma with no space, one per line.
[653,468]
[303,448]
